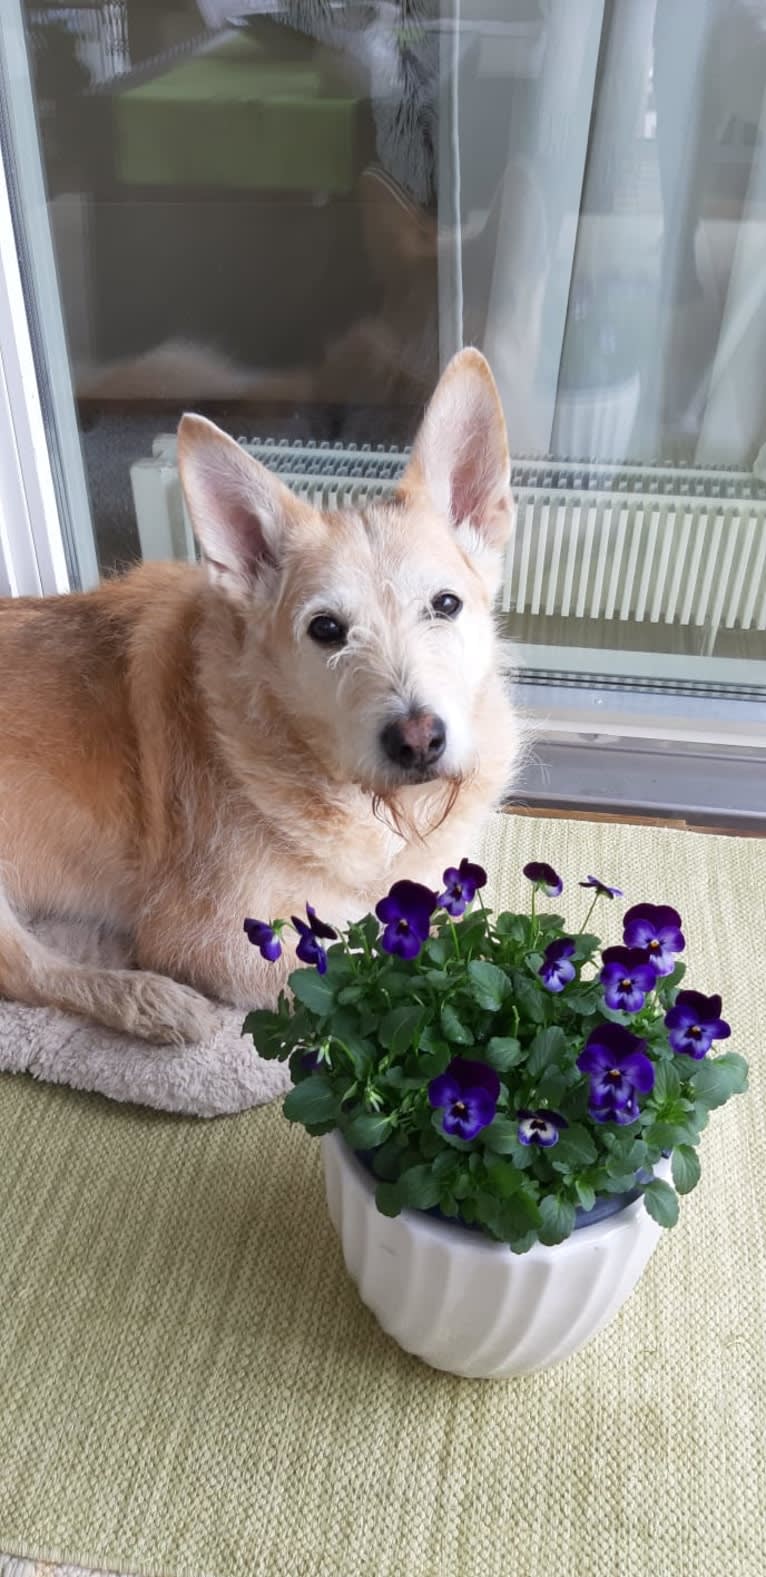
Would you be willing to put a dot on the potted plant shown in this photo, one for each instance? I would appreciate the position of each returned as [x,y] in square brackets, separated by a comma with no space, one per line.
[508,1111]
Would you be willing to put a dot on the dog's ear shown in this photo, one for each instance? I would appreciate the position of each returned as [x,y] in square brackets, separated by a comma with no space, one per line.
[240,511]
[460,460]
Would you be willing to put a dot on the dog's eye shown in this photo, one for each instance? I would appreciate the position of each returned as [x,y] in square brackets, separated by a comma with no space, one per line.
[447,605]
[327,631]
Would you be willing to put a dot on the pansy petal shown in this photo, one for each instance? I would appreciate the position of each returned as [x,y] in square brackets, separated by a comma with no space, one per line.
[543,875]
[444,1089]
[319,927]
[473,873]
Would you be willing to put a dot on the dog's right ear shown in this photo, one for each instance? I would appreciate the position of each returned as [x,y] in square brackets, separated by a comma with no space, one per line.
[238,509]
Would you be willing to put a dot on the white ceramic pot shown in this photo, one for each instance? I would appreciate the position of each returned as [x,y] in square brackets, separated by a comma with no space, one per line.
[468,1305]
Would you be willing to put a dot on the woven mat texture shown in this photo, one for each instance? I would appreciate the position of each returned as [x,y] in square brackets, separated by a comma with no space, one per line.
[189,1386]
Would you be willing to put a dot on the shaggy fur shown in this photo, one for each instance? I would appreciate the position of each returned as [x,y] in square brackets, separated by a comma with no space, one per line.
[177,752]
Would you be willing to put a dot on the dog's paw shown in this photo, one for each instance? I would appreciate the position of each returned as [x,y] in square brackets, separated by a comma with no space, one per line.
[169,1014]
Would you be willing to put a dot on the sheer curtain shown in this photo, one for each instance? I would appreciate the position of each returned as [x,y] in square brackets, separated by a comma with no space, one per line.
[629,266]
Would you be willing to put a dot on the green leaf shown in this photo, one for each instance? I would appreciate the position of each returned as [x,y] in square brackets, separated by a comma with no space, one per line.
[419,1188]
[667,1084]
[716,1078]
[558,1219]
[502,1136]
[575,1147]
[339,965]
[583,1000]
[515,926]
[438,978]
[387,1160]
[271,1034]
[522,1211]
[313,990]
[503,1178]
[452,1026]
[523,1243]
[432,1042]
[311,1101]
[503,1052]
[549,1045]
[585,946]
[317,1129]
[585,1194]
[662,1202]
[663,1136]
[367,1130]
[635,1157]
[399,1029]
[490,984]
[359,1052]
[437,950]
[550,922]
[349,994]
[529,998]
[388,1198]
[686,1168]
[490,1212]
[366,930]
[552,1086]
[620,1183]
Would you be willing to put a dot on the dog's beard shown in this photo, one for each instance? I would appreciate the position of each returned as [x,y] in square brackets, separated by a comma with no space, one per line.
[416,823]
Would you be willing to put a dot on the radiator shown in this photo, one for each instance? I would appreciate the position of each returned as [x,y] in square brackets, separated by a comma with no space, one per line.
[645,544]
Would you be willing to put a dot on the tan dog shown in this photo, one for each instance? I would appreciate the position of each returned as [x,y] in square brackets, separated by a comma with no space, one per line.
[314,712]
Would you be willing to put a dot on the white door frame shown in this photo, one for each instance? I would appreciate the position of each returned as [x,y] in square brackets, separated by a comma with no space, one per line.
[46,536]
[32,556]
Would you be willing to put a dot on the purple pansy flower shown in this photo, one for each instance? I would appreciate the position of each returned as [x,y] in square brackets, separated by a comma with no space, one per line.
[461,886]
[619,1069]
[541,1127]
[656,927]
[627,976]
[265,938]
[602,890]
[309,949]
[557,969]
[694,1022]
[544,877]
[311,1060]
[468,1093]
[406,914]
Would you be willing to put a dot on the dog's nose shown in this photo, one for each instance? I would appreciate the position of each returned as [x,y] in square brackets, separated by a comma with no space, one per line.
[415,742]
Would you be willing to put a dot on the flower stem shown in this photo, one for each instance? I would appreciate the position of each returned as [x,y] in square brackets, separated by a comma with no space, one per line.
[453,929]
[588,915]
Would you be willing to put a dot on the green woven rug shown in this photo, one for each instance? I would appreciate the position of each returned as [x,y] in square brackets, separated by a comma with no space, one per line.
[189,1385]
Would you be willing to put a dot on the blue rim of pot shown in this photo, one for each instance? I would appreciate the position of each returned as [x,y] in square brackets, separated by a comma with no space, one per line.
[606,1204]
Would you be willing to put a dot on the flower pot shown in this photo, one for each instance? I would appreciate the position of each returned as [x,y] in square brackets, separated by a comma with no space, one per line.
[596,424]
[468,1305]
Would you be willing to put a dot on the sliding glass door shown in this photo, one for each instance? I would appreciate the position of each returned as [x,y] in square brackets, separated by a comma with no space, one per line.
[290,215]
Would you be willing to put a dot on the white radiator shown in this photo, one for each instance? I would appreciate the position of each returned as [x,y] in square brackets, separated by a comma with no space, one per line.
[591,542]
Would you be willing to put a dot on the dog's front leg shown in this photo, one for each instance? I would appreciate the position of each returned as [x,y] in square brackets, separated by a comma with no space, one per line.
[206,947]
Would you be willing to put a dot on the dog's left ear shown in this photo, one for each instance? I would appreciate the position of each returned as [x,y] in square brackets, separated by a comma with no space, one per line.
[460,460]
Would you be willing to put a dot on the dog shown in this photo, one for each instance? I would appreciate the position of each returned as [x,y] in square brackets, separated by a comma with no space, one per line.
[314,711]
